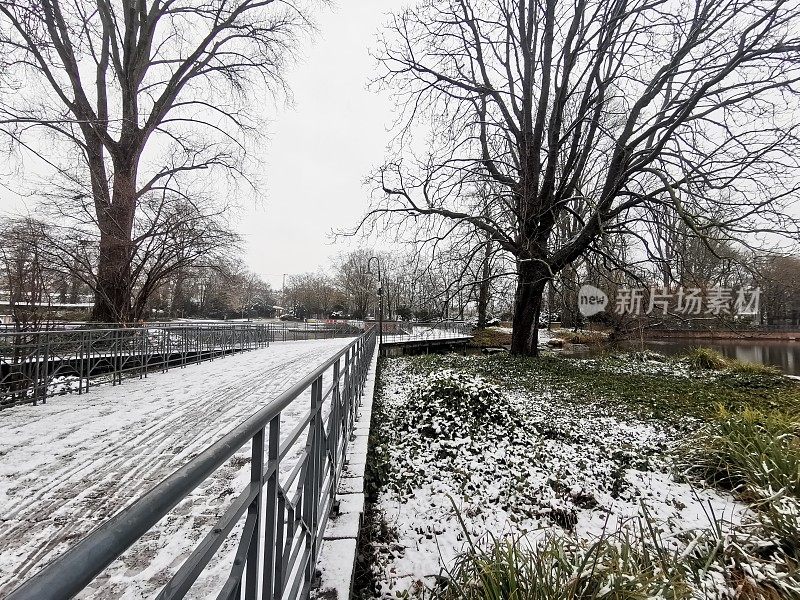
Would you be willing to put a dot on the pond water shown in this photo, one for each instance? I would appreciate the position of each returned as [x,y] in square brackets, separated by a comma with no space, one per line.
[782,354]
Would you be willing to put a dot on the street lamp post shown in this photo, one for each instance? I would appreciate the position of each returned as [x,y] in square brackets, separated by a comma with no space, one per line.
[380,295]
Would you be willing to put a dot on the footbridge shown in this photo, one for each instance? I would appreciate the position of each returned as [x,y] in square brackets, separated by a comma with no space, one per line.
[180,479]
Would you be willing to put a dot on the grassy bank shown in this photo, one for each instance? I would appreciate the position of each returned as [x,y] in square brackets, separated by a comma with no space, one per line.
[669,390]
[504,477]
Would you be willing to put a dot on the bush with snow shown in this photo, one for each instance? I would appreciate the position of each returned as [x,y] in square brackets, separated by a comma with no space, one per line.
[449,403]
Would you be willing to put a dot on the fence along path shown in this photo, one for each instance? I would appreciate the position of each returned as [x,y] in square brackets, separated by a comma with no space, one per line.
[296,442]
[71,358]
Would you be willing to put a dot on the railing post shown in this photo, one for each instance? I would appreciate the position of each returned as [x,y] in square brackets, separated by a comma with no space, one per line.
[47,375]
[162,343]
[312,490]
[185,346]
[348,391]
[270,584]
[138,336]
[80,363]
[336,425]
[36,368]
[253,551]
[88,360]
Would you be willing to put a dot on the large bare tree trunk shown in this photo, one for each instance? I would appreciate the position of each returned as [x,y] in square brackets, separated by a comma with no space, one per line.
[531,283]
[113,292]
[483,290]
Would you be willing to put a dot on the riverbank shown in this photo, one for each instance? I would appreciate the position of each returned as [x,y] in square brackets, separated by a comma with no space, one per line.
[782,354]
[469,450]
[684,334]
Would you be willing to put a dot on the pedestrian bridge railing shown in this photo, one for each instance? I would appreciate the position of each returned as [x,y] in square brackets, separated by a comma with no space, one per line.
[402,331]
[284,515]
[71,358]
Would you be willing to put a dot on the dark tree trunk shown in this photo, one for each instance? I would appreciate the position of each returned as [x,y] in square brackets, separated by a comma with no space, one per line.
[113,292]
[112,296]
[483,290]
[178,300]
[531,284]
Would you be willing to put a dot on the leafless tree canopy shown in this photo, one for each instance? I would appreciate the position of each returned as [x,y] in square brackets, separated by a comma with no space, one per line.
[131,101]
[590,119]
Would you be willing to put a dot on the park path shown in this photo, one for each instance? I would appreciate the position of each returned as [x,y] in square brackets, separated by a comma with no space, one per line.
[70,464]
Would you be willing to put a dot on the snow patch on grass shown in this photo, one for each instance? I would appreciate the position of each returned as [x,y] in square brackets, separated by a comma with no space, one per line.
[519,463]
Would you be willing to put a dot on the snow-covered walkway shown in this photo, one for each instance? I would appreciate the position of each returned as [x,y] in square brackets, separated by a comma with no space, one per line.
[68,465]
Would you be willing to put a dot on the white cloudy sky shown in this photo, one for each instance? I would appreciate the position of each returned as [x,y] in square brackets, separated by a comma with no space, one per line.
[322,147]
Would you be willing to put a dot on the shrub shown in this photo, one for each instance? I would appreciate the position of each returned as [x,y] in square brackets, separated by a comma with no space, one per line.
[633,562]
[746,368]
[754,453]
[490,337]
[705,358]
[630,563]
[457,396]
[583,337]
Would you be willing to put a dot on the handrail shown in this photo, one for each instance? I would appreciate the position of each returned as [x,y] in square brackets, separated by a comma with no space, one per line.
[74,570]
[35,365]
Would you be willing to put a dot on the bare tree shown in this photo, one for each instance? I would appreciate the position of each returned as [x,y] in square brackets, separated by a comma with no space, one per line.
[140,94]
[354,282]
[312,294]
[779,280]
[595,111]
[27,283]
[170,236]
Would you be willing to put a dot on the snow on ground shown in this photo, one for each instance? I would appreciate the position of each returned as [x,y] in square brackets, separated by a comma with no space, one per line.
[70,464]
[500,329]
[537,464]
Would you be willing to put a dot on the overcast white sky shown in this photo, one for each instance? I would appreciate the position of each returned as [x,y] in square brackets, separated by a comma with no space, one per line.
[321,149]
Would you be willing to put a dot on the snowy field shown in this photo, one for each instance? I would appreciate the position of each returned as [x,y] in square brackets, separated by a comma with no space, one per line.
[527,462]
[70,464]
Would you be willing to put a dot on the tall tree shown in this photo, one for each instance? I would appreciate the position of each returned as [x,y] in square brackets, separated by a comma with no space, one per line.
[779,280]
[26,281]
[146,92]
[354,281]
[593,110]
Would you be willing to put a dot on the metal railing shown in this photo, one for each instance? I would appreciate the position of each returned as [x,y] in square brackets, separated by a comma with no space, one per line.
[35,365]
[292,513]
[402,331]
[290,331]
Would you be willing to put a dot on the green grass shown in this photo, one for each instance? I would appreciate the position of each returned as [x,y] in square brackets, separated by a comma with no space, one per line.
[744,428]
[601,386]
[705,358]
[490,338]
[756,455]
[745,368]
[708,359]
[630,563]
[753,452]
[581,337]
